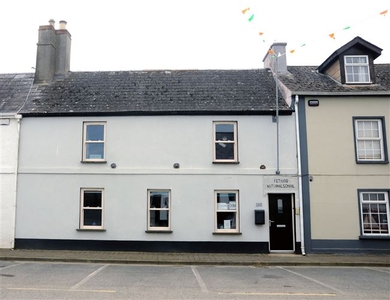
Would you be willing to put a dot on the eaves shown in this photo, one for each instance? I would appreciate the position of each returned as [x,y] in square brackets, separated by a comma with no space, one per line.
[160,113]
[330,94]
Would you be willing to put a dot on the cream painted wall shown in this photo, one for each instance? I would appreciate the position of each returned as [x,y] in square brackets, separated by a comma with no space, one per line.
[336,176]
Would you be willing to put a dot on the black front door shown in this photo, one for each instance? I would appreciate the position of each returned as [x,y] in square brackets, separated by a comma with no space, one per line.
[281,222]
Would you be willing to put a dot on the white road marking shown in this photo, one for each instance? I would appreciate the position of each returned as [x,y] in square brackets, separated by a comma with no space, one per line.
[312,279]
[62,290]
[88,277]
[281,294]
[200,280]
[10,266]
[378,270]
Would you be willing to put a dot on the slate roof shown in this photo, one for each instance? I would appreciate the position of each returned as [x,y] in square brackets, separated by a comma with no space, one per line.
[14,89]
[143,92]
[306,80]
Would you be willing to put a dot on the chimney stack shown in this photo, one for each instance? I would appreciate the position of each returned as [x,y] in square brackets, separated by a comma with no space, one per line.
[275,59]
[53,52]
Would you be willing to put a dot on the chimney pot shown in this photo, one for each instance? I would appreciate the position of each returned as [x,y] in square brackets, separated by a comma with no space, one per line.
[52,22]
[63,24]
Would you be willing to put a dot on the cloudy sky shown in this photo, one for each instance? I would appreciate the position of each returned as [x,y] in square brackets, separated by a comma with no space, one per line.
[190,34]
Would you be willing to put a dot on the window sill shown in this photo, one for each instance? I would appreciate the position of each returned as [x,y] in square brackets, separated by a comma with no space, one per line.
[93,161]
[374,237]
[82,229]
[158,231]
[226,162]
[224,233]
[374,162]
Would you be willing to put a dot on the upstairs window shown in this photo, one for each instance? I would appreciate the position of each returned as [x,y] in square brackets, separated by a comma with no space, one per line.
[374,212]
[225,142]
[94,142]
[369,140]
[357,69]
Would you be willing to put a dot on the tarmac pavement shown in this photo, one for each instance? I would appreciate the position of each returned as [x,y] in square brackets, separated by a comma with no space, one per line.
[117,257]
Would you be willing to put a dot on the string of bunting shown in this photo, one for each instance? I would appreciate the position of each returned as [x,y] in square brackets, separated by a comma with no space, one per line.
[250,16]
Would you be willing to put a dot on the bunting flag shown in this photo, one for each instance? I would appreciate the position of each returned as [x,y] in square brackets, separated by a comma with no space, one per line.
[331,35]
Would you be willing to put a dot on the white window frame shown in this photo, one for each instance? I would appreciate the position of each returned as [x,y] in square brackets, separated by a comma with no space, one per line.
[165,210]
[367,140]
[83,208]
[374,223]
[86,142]
[359,66]
[224,142]
[226,208]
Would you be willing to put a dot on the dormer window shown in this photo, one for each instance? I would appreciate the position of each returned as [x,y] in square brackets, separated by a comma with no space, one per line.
[357,69]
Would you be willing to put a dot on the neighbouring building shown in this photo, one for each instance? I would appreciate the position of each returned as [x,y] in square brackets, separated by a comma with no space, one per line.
[13,92]
[343,110]
[176,160]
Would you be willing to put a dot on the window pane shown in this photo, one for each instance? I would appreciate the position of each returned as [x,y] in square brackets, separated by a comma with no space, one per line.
[159,199]
[92,217]
[92,199]
[224,150]
[95,150]
[373,196]
[95,133]
[226,220]
[224,132]
[159,218]
[225,197]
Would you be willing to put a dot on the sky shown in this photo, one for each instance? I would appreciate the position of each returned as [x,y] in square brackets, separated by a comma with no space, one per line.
[113,35]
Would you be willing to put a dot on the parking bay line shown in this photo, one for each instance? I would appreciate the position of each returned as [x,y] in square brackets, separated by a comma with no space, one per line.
[200,280]
[278,294]
[61,290]
[77,285]
[312,279]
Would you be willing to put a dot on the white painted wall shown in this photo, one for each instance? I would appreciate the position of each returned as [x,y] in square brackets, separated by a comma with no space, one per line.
[9,138]
[145,149]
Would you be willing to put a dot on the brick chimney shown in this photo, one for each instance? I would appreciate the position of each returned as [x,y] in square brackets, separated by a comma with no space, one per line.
[275,59]
[53,53]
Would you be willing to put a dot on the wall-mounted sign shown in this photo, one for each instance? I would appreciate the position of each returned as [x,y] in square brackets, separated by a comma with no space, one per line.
[280,183]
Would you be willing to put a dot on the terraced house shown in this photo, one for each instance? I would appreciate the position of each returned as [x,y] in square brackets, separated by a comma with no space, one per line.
[175,160]
[343,108]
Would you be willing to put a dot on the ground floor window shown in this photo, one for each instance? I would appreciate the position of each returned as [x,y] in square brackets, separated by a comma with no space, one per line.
[159,210]
[374,208]
[226,211]
[91,214]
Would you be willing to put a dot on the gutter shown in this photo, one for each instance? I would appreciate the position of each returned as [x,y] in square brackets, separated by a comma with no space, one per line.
[333,94]
[299,177]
